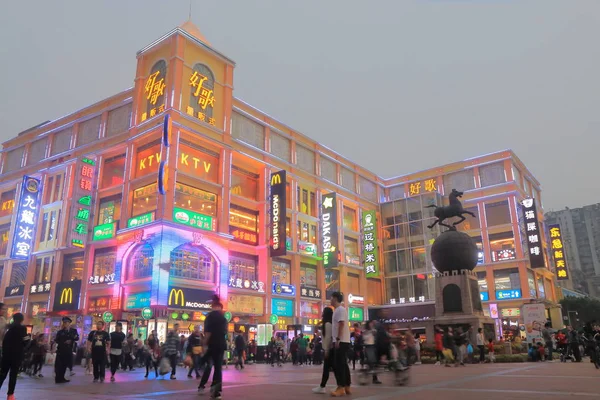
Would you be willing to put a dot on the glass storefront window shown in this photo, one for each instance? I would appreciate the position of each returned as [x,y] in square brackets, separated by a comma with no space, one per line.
[145,200]
[147,159]
[72,267]
[43,269]
[142,261]
[196,200]
[4,234]
[281,272]
[113,172]
[244,183]
[531,284]
[192,263]
[244,218]
[18,275]
[349,218]
[243,266]
[497,213]
[507,279]
[502,246]
[308,275]
[198,162]
[7,202]
[419,259]
[105,261]
[109,210]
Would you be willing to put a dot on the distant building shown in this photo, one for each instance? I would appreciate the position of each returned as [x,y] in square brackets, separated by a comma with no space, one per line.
[580,228]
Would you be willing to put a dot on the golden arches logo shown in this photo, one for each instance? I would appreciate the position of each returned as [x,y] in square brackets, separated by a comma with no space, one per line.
[66,296]
[177,294]
[275,179]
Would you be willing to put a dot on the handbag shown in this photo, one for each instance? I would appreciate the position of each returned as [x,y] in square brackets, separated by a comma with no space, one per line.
[164,366]
[197,350]
[470,349]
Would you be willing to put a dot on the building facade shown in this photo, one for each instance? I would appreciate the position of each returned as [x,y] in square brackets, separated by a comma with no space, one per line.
[140,207]
[580,228]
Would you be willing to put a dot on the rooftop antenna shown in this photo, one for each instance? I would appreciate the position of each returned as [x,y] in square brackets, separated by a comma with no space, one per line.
[190,14]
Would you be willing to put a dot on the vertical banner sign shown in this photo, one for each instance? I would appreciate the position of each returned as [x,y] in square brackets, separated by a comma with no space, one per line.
[533,234]
[163,168]
[27,218]
[81,208]
[329,231]
[558,252]
[277,209]
[370,249]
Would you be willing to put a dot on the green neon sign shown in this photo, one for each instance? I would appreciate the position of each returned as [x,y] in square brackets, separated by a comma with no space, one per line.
[140,220]
[146,313]
[228,316]
[356,314]
[194,219]
[104,231]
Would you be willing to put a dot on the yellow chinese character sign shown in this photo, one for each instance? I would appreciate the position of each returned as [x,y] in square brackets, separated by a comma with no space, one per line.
[426,186]
[154,91]
[558,253]
[203,93]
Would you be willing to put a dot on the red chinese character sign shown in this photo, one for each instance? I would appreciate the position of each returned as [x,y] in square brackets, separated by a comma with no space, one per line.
[27,218]
[533,234]
[80,219]
[558,252]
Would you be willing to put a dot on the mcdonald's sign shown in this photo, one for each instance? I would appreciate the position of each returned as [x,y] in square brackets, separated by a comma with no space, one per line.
[189,299]
[175,296]
[277,210]
[66,296]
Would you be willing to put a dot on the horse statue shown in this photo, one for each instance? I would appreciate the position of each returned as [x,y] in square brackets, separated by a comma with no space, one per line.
[455,209]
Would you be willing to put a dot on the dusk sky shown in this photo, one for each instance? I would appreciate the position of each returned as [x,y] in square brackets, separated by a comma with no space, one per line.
[396,86]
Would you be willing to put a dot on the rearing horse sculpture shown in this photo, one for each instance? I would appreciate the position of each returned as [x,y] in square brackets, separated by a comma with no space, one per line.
[455,209]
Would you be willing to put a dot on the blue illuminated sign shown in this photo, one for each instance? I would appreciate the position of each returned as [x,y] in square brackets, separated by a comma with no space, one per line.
[284,289]
[485,296]
[138,300]
[27,218]
[508,294]
[282,307]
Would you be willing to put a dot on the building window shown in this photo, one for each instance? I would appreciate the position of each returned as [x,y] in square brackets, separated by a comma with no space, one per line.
[113,171]
[242,267]
[461,180]
[195,199]
[142,261]
[470,222]
[332,282]
[50,225]
[421,287]
[354,283]
[281,272]
[199,102]
[288,195]
[349,219]
[492,174]
[192,262]
[541,289]
[18,275]
[350,246]
[507,279]
[482,280]
[43,269]
[4,235]
[497,213]
[147,158]
[502,246]
[244,183]
[531,284]
[105,261]
[7,202]
[308,275]
[109,210]
[54,188]
[419,259]
[244,218]
[145,200]
[306,200]
[198,161]
[72,267]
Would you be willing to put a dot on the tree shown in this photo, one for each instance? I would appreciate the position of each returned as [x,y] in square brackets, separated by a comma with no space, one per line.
[587,310]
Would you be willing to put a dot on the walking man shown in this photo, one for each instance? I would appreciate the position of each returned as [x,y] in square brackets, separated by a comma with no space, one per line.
[171,349]
[116,349]
[98,344]
[65,338]
[341,340]
[215,329]
[13,349]
[547,333]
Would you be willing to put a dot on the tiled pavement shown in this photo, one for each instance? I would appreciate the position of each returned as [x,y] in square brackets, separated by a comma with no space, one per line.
[498,381]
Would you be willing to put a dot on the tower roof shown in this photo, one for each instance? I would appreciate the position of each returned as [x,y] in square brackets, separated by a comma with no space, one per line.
[193,30]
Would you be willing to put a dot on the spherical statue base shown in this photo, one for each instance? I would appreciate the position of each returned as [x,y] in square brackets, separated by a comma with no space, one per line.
[454,251]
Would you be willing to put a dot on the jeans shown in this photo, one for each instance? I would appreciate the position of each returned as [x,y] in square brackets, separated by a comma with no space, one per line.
[38,363]
[327,366]
[549,347]
[481,353]
[439,355]
[341,369]
[10,363]
[196,364]
[214,357]
[174,358]
[99,361]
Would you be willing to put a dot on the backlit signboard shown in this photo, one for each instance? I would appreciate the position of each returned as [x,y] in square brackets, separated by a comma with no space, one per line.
[558,252]
[194,219]
[27,218]
[370,249]
[104,231]
[329,232]
[66,296]
[283,289]
[82,205]
[277,209]
[533,234]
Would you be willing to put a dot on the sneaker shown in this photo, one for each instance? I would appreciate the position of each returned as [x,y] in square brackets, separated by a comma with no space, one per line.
[437,363]
[319,390]
[40,376]
[418,363]
[146,376]
[216,396]
[201,390]
[72,373]
[10,397]
[173,377]
[377,382]
[112,378]
[95,380]
[339,392]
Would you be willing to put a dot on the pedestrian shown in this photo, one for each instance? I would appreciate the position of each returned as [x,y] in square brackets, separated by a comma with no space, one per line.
[129,351]
[2,325]
[460,339]
[98,344]
[116,349]
[194,350]
[152,357]
[39,355]
[294,351]
[411,351]
[171,349]
[369,336]
[547,334]
[215,330]
[439,346]
[328,356]
[491,351]
[450,350]
[65,338]
[240,346]
[480,345]
[341,338]
[13,347]
[574,343]
[302,347]
[139,351]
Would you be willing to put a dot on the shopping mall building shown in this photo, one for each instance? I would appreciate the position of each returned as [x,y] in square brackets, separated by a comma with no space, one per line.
[140,207]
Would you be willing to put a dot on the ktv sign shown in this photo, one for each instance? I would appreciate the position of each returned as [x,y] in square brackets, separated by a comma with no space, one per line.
[27,218]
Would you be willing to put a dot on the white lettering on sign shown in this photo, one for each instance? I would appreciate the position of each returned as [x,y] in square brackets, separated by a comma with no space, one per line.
[275,216]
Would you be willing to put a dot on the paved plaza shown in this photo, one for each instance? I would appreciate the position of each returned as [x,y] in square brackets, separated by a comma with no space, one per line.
[261,382]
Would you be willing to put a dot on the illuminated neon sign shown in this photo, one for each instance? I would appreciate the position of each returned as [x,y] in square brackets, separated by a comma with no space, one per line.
[154,90]
[194,219]
[426,186]
[140,220]
[329,230]
[277,208]
[81,210]
[205,96]
[558,252]
[370,248]
[104,231]
[533,234]
[27,218]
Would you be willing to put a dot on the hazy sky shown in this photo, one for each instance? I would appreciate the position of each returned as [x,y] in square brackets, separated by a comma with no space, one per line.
[384,83]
